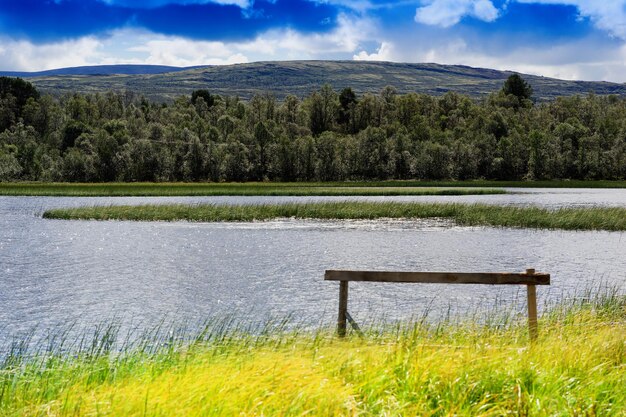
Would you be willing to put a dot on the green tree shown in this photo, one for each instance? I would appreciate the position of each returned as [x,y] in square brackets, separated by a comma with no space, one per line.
[10,168]
[205,95]
[77,166]
[71,132]
[262,138]
[196,161]
[235,162]
[323,106]
[518,87]
[347,103]
[18,88]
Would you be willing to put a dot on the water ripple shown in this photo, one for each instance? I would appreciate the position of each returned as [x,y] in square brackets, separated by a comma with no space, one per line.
[57,272]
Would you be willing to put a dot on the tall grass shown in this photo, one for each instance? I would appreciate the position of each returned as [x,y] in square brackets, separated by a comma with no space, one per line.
[464,214]
[287,189]
[578,367]
[242,189]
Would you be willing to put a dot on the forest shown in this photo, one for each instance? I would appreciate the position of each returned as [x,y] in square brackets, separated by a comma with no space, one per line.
[327,136]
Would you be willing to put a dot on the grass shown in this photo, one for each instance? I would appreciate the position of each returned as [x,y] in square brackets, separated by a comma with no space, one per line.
[240,189]
[577,368]
[613,219]
[357,188]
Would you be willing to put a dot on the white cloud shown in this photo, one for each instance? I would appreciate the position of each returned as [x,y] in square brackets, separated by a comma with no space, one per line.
[577,60]
[446,13]
[26,56]
[241,3]
[142,47]
[291,44]
[359,5]
[182,52]
[345,38]
[383,53]
[591,58]
[271,45]
[608,15]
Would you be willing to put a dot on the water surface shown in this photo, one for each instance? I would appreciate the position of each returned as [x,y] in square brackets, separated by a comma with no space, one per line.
[55,273]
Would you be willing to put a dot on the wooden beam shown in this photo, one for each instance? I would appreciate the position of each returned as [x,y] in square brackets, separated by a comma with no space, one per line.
[493,278]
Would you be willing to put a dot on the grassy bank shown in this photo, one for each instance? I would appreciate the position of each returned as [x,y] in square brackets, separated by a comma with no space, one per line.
[578,367]
[289,189]
[463,214]
[374,188]
[240,189]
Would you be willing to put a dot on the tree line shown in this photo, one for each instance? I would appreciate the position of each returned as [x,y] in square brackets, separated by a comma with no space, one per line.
[329,135]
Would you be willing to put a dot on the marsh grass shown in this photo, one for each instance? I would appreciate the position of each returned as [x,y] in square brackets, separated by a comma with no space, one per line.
[578,367]
[238,189]
[596,218]
[354,188]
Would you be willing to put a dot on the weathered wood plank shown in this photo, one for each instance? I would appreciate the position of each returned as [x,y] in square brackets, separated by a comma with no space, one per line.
[493,278]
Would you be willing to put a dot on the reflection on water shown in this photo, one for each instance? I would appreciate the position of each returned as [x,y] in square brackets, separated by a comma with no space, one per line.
[59,272]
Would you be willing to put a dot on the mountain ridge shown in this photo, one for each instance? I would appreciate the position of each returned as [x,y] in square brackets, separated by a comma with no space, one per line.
[118,69]
[301,78]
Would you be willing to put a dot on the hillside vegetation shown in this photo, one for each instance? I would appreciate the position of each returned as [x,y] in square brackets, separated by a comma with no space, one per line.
[301,78]
[330,135]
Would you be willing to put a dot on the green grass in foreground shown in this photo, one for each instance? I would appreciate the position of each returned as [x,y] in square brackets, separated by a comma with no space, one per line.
[464,214]
[577,368]
[241,189]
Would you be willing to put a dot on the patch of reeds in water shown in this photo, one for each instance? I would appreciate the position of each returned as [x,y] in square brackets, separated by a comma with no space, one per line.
[594,218]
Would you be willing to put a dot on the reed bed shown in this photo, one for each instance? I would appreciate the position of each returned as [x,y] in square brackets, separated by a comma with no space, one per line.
[288,188]
[577,367]
[239,189]
[596,218]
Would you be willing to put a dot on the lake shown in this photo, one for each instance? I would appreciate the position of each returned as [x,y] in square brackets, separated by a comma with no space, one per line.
[55,274]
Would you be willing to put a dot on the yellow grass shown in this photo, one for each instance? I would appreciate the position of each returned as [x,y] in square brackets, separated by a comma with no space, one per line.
[578,367]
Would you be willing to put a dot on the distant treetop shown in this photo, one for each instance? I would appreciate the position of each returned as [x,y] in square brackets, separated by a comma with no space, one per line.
[518,87]
[208,98]
[18,88]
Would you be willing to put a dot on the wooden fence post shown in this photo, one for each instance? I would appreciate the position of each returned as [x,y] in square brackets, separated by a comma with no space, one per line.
[531,291]
[343,308]
[530,278]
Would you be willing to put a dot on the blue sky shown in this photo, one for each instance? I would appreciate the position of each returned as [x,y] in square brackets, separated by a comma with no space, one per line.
[571,39]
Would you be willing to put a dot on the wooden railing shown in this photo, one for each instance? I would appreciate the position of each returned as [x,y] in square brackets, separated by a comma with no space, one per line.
[530,278]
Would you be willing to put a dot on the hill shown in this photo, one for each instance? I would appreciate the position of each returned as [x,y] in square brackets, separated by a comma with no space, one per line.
[302,77]
[98,70]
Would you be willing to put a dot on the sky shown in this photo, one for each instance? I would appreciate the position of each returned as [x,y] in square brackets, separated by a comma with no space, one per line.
[568,39]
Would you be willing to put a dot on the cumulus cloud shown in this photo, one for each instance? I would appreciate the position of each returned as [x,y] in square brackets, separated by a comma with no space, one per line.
[182,52]
[345,38]
[446,13]
[384,53]
[353,34]
[581,59]
[46,21]
[608,15]
[136,46]
[27,56]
